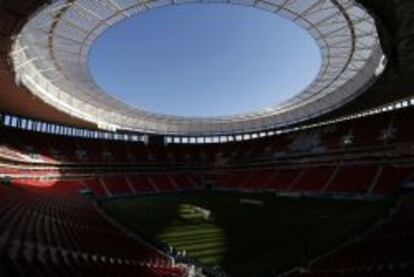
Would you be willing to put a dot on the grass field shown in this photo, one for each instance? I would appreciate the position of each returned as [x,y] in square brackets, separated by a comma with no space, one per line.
[245,239]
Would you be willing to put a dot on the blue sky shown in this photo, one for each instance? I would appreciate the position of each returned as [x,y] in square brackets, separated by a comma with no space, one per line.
[204,60]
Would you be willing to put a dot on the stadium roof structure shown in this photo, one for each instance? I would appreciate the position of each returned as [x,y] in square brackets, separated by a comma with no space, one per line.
[50,58]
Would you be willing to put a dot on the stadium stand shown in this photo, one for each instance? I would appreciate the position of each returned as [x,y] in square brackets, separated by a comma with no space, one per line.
[52,174]
[342,137]
[284,170]
[384,251]
[49,230]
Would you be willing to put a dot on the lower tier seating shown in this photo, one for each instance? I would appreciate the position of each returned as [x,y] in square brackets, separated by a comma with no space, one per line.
[349,179]
[53,231]
[387,251]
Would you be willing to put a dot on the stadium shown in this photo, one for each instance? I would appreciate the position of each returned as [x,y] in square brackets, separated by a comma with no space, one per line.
[319,184]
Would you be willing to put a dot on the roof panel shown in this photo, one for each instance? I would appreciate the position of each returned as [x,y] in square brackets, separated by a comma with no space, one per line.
[57,40]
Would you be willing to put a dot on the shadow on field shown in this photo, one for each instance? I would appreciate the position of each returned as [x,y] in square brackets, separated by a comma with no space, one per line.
[243,239]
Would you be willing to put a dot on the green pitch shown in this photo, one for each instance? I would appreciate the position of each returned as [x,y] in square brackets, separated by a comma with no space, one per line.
[246,239]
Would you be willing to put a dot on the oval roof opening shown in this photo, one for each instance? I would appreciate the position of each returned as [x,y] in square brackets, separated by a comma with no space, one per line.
[204,60]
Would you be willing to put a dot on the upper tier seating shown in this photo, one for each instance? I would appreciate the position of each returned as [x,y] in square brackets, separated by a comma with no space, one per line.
[374,132]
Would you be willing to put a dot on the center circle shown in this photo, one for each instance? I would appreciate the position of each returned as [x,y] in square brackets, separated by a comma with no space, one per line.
[199,60]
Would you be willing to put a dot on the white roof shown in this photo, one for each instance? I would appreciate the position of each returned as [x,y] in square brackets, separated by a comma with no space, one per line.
[50,57]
